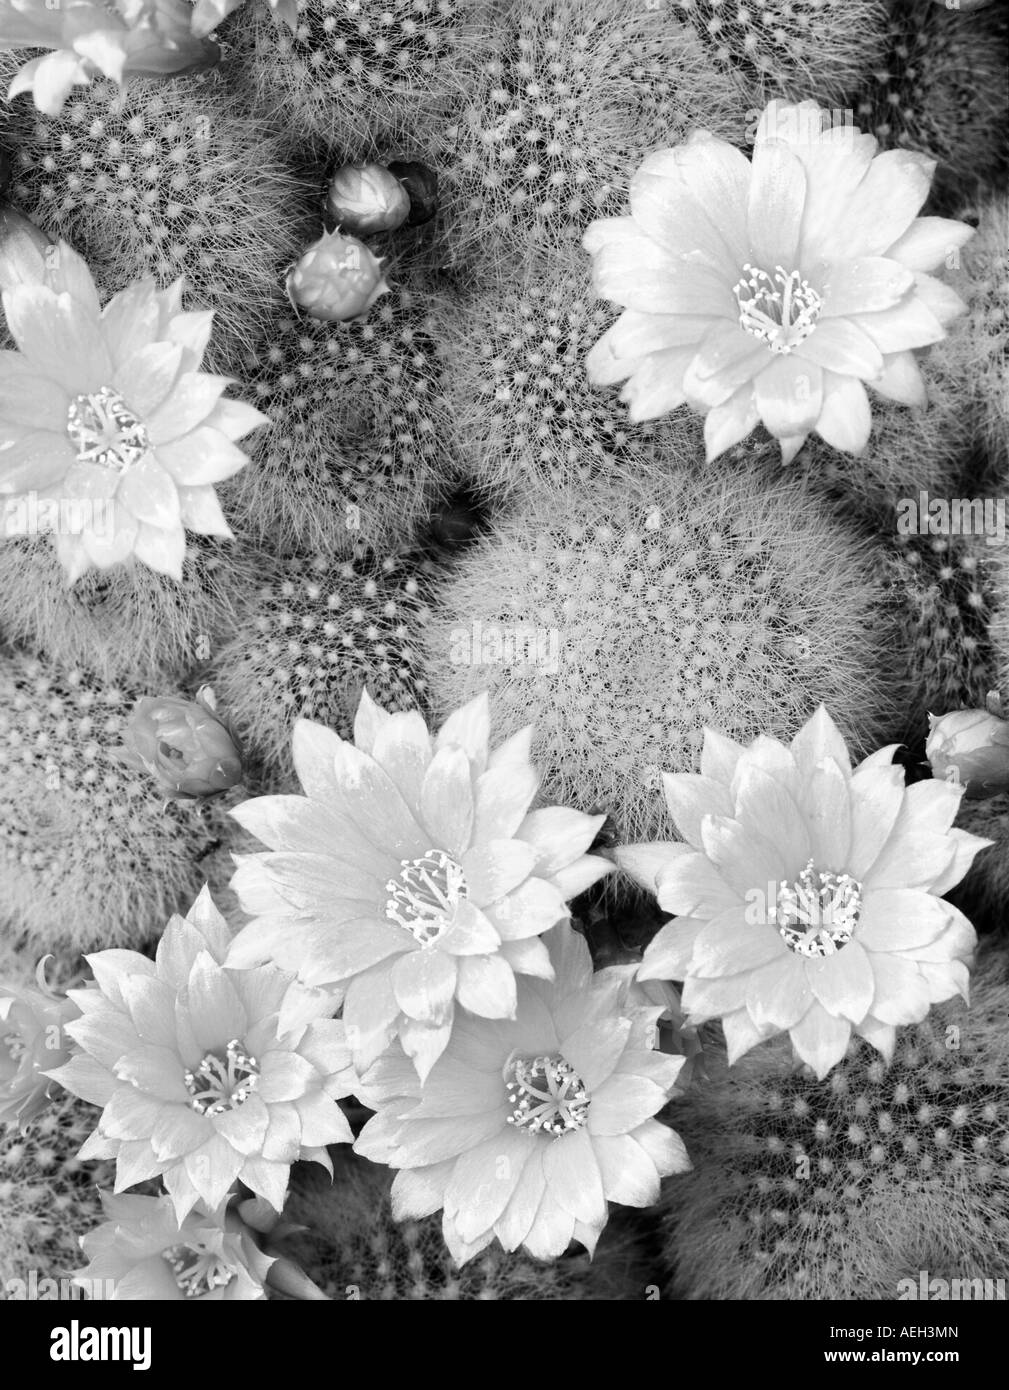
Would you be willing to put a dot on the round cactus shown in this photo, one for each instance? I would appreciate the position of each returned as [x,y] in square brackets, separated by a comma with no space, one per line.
[789,48]
[316,636]
[89,853]
[840,1189]
[49,1197]
[939,86]
[564,113]
[355,67]
[128,623]
[167,180]
[354,1249]
[623,617]
[356,440]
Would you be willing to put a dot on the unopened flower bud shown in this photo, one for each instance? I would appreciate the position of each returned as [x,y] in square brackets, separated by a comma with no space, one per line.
[421,184]
[183,744]
[32,1042]
[366,198]
[24,249]
[971,747]
[336,279]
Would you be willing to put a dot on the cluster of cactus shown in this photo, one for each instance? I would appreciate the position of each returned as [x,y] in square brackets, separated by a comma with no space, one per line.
[623,615]
[167,180]
[89,853]
[319,632]
[353,1249]
[839,1189]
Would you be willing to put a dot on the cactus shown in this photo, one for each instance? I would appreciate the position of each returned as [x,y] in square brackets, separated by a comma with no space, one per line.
[354,67]
[48,1197]
[128,623]
[940,87]
[839,1189]
[317,634]
[637,610]
[789,48]
[353,1249]
[167,180]
[356,439]
[89,854]
[564,113]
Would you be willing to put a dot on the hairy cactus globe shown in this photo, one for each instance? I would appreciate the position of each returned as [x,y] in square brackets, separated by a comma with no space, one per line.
[623,616]
[358,438]
[315,636]
[169,179]
[562,114]
[89,853]
[841,1188]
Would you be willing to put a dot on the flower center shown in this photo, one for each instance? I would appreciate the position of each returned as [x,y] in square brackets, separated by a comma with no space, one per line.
[197,1271]
[104,430]
[780,311]
[425,896]
[547,1095]
[223,1083]
[817,914]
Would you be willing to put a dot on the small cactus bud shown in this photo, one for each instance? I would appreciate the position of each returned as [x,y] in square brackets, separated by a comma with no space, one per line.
[184,745]
[970,746]
[336,279]
[364,198]
[421,184]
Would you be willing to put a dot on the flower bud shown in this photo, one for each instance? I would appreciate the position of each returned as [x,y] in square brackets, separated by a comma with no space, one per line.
[421,184]
[32,1042]
[336,279]
[24,249]
[184,745]
[365,198]
[971,747]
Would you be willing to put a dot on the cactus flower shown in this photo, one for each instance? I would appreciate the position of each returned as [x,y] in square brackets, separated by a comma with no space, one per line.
[32,1042]
[808,894]
[205,1075]
[970,747]
[775,290]
[142,1252]
[184,744]
[336,279]
[365,198]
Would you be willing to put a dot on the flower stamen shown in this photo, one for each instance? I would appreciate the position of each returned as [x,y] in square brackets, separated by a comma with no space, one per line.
[425,896]
[105,431]
[197,1271]
[219,1084]
[781,311]
[547,1096]
[818,913]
